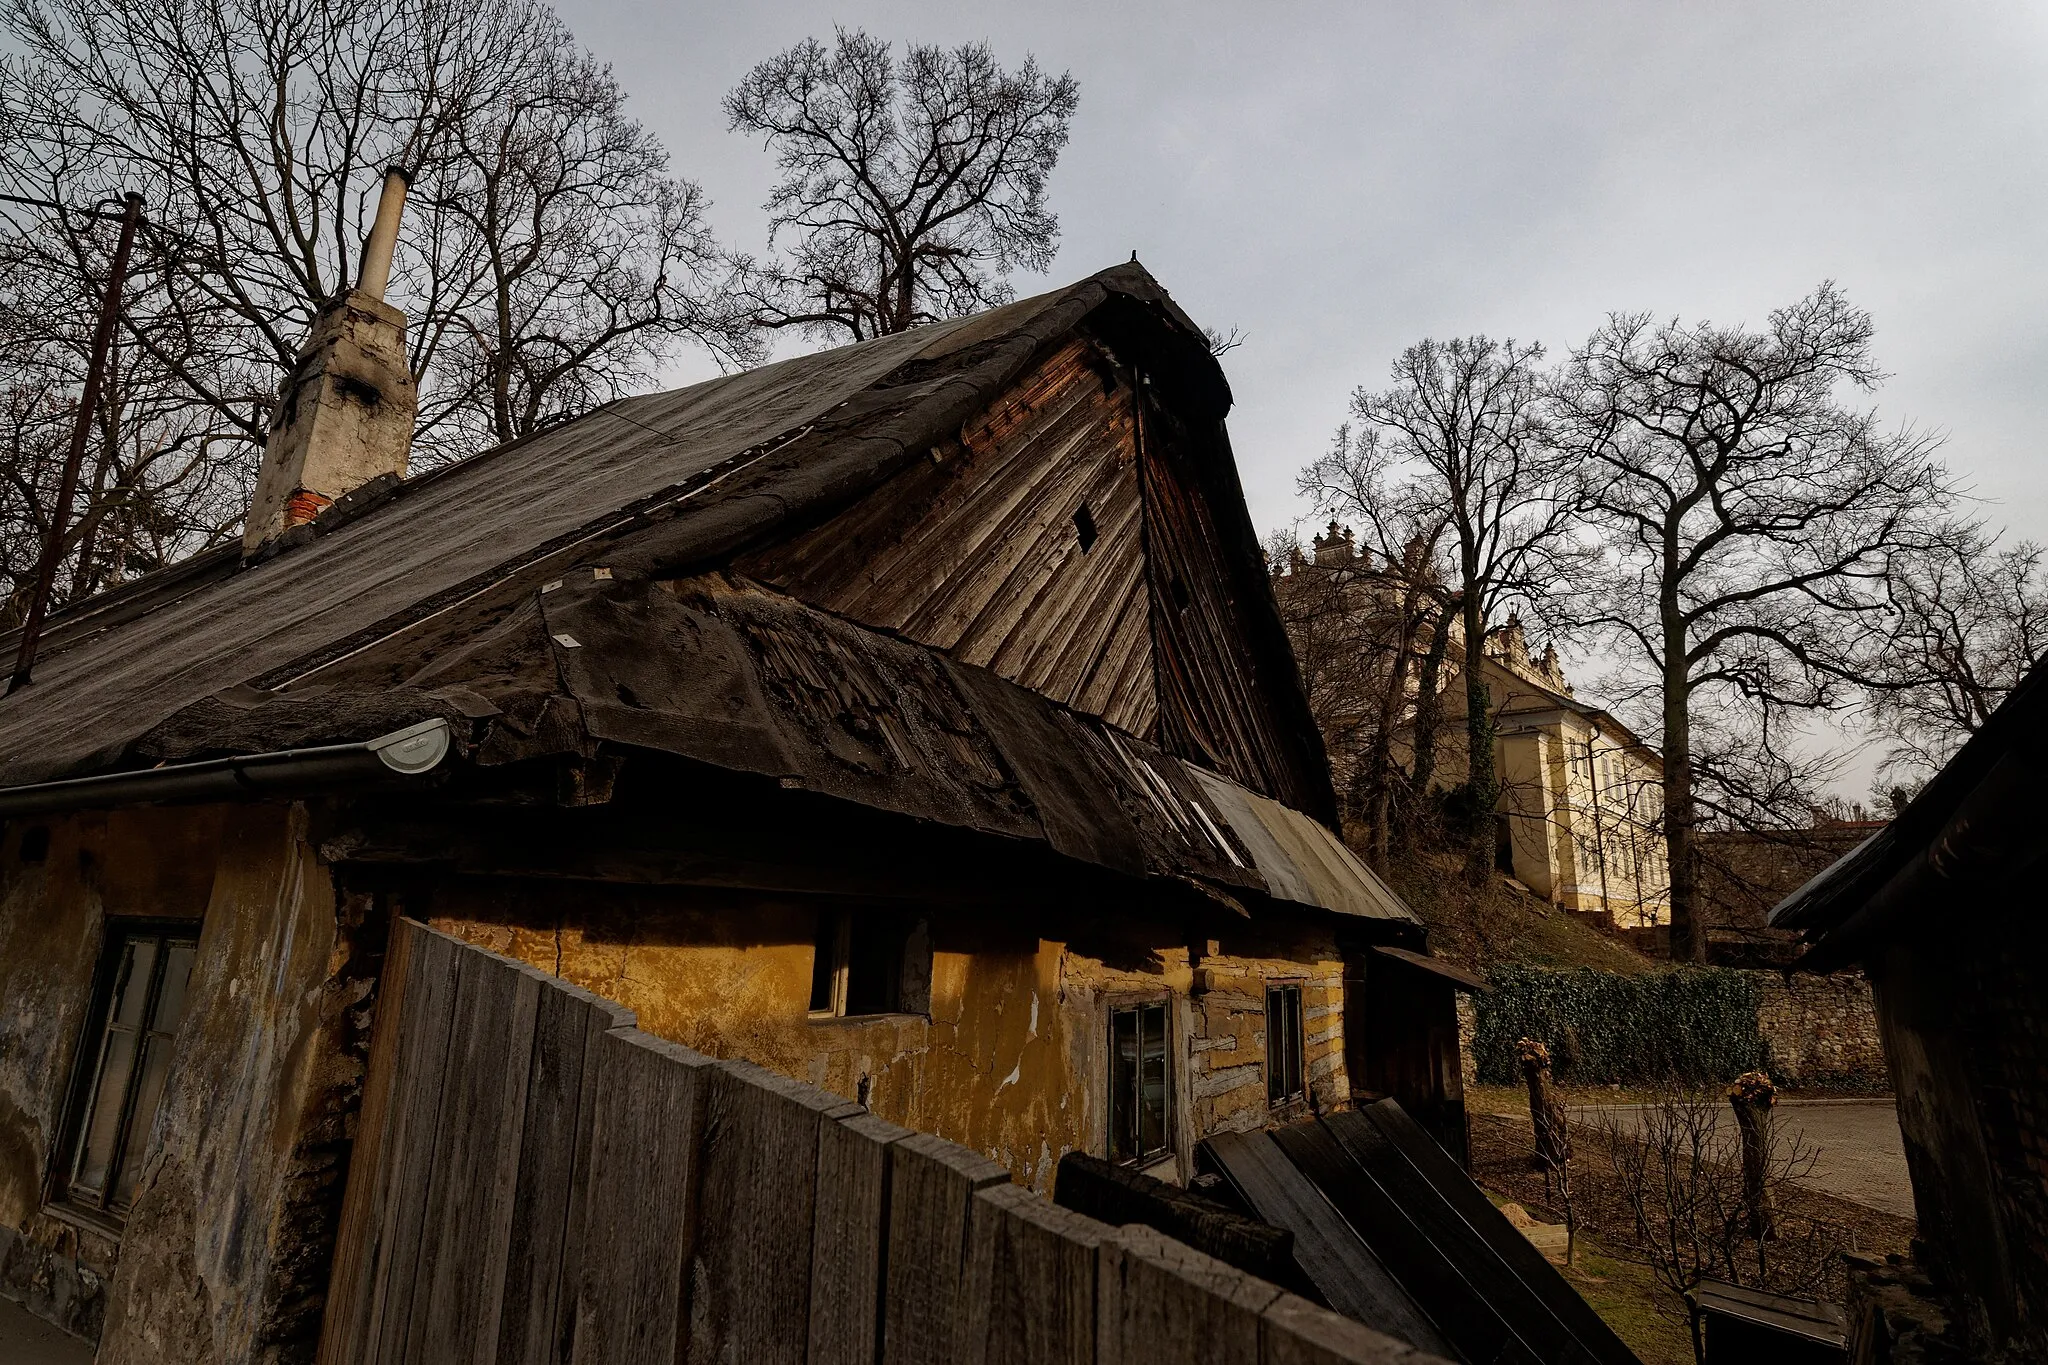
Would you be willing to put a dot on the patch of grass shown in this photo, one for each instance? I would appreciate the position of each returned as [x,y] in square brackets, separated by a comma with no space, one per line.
[1628,1298]
[1478,926]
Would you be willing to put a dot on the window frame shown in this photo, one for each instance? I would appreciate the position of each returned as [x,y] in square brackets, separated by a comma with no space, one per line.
[1279,1096]
[1169,1127]
[61,1196]
[911,937]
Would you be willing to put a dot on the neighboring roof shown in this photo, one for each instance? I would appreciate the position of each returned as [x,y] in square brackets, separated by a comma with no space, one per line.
[663,482]
[1449,971]
[1392,1233]
[1975,822]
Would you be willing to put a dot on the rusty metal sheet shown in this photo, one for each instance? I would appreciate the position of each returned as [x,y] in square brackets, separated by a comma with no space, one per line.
[1300,860]
[1452,973]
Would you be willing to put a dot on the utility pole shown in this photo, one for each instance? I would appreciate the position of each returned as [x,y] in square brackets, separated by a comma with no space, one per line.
[81,433]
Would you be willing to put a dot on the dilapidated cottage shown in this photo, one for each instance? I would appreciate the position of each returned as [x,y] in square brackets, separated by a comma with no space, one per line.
[912,719]
[1942,908]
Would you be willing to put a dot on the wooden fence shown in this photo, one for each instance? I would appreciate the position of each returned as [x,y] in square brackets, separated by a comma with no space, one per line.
[536,1180]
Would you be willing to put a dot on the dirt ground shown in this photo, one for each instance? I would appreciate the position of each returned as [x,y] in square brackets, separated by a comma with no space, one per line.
[27,1340]
[1613,1278]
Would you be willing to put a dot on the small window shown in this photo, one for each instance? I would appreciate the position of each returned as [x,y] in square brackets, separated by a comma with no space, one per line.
[1283,1044]
[1140,1130]
[1084,527]
[870,962]
[124,1063]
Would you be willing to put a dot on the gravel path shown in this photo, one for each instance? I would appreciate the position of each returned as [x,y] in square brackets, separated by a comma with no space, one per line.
[1862,1157]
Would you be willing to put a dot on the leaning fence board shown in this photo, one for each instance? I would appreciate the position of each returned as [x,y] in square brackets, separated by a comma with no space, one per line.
[1170,1302]
[1031,1281]
[430,990]
[1293,1331]
[344,1331]
[931,1185]
[560,1104]
[847,1228]
[466,1240]
[637,1216]
[760,1179]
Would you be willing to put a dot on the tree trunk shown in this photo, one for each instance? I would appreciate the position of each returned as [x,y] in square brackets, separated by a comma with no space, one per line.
[1429,715]
[1752,1096]
[1688,939]
[1380,762]
[1482,781]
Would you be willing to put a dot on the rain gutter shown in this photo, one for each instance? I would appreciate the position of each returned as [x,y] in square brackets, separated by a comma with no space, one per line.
[410,753]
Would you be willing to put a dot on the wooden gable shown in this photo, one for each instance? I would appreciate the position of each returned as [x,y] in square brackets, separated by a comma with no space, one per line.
[1067,544]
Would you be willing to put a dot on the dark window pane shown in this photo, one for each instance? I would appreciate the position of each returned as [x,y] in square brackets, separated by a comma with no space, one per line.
[156,1063]
[1152,1028]
[824,962]
[132,991]
[1283,1043]
[874,964]
[1123,1085]
[170,996]
[96,1146]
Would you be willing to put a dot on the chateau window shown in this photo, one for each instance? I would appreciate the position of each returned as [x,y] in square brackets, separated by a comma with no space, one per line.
[1140,1102]
[1284,1044]
[119,1075]
[870,962]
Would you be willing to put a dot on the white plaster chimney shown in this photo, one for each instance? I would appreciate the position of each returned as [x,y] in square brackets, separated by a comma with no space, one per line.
[346,413]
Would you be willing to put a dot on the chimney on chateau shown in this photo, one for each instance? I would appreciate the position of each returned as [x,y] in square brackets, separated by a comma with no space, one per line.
[345,414]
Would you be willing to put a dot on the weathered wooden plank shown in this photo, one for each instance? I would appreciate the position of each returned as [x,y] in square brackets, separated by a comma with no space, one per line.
[749,1298]
[345,1326]
[1170,1302]
[1031,1281]
[1293,1331]
[638,1202]
[469,1205]
[1330,1253]
[430,991]
[932,1184]
[560,1105]
[847,1236]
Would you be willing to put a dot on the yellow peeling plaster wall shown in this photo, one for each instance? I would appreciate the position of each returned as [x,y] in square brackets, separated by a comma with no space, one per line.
[1013,1057]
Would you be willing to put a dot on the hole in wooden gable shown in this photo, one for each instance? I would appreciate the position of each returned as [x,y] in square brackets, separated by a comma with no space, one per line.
[1084,527]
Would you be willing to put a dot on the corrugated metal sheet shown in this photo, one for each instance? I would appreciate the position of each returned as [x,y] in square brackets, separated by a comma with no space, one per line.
[1301,860]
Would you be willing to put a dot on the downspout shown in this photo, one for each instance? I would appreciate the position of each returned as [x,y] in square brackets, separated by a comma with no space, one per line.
[407,754]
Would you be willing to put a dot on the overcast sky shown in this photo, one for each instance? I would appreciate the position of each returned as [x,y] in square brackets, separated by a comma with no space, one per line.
[1338,181]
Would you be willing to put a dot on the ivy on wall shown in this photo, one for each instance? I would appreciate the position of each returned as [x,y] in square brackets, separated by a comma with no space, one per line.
[1693,1025]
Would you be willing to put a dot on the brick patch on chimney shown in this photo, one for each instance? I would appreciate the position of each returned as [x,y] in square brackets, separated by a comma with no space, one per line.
[303,506]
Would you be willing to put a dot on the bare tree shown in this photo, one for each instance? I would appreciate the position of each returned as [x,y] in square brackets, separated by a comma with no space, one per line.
[554,260]
[570,258]
[910,189]
[1968,621]
[1458,448]
[1752,517]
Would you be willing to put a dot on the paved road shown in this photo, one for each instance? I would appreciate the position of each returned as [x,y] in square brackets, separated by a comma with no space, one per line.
[1862,1158]
[27,1340]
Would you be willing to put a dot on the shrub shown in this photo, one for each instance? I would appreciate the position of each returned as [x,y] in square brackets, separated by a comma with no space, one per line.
[1691,1025]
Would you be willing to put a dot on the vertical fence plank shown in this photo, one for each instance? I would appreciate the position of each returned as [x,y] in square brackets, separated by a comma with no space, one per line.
[1174,1303]
[847,1238]
[430,987]
[932,1183]
[560,1105]
[637,1220]
[466,1239]
[748,1297]
[345,1326]
[1031,1281]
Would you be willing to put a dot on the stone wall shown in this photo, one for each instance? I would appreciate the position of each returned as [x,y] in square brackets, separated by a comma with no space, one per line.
[1822,1030]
